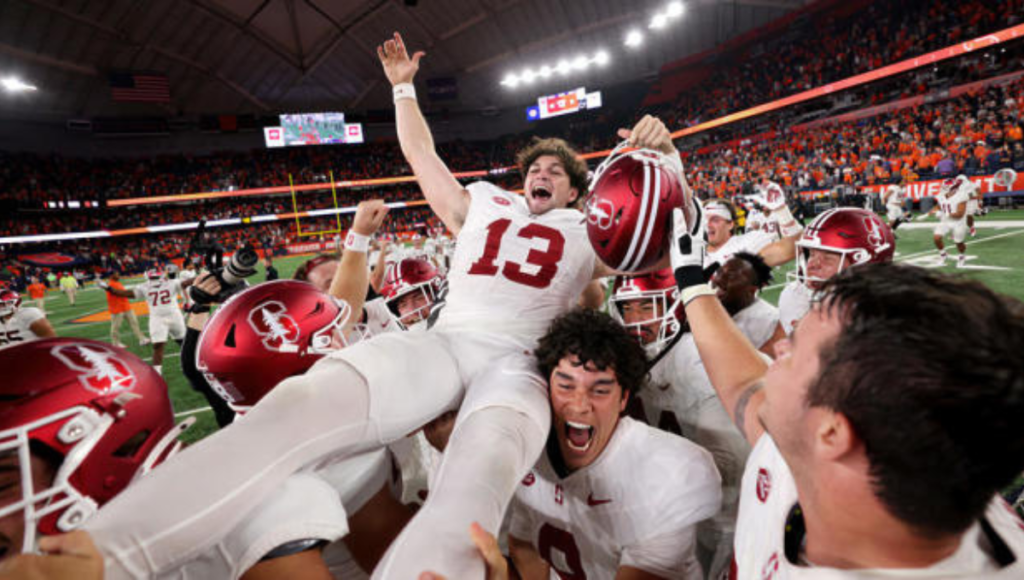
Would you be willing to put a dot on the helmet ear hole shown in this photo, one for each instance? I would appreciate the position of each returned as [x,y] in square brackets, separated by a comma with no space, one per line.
[229,340]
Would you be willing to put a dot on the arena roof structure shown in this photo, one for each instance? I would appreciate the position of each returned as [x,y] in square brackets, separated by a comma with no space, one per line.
[264,56]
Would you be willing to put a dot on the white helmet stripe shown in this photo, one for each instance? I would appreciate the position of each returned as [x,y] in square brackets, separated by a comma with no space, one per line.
[651,215]
[629,258]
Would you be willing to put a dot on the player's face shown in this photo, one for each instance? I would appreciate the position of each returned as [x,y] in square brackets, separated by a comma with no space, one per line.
[822,265]
[547,185]
[635,313]
[12,527]
[734,285]
[322,275]
[719,230]
[785,414]
[586,404]
[412,307]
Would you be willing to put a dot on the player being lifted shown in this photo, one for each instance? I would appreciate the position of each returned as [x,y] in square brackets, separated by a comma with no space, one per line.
[519,263]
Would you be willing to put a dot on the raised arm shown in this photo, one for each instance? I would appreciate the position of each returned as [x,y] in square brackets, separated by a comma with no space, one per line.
[448,199]
[377,275]
[732,363]
[352,278]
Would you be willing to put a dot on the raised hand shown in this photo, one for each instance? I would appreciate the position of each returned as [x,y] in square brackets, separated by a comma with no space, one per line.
[398,67]
[370,215]
[650,133]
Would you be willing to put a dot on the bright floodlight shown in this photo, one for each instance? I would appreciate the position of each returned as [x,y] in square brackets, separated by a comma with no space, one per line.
[510,81]
[545,71]
[563,67]
[634,38]
[15,85]
[601,58]
[580,62]
[526,76]
[658,21]
[675,10]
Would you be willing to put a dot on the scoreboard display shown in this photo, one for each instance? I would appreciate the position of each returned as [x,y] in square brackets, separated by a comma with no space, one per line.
[298,129]
[563,104]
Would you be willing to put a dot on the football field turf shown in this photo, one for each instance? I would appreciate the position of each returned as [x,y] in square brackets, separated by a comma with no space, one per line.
[996,257]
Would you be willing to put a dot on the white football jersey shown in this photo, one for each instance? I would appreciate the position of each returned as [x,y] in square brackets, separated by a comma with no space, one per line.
[894,196]
[637,505]
[948,206]
[767,503]
[378,318]
[18,328]
[794,302]
[758,321]
[514,272]
[161,295]
[751,242]
[305,508]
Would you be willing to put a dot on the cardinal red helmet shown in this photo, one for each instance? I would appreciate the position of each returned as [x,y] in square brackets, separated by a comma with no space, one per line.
[407,276]
[10,301]
[859,235]
[667,313]
[154,273]
[101,414]
[266,334]
[629,209]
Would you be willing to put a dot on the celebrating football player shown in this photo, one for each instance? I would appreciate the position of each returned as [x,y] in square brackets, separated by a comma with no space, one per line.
[951,204]
[610,497]
[723,243]
[21,323]
[837,239]
[869,461]
[520,262]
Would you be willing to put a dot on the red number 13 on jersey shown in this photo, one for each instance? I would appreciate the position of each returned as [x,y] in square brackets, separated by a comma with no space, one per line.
[545,260]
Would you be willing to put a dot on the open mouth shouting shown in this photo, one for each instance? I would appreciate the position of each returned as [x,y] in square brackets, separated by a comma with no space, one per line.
[541,192]
[578,436]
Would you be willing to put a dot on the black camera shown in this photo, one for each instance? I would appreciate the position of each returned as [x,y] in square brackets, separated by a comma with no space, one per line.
[231,275]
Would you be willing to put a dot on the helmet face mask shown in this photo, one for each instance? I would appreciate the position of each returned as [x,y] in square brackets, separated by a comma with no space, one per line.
[415,281]
[857,235]
[10,301]
[657,293]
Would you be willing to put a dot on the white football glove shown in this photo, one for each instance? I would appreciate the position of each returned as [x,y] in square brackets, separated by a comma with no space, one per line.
[102,284]
[687,250]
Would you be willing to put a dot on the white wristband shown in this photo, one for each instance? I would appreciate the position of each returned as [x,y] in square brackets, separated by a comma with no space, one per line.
[688,294]
[357,242]
[788,226]
[404,91]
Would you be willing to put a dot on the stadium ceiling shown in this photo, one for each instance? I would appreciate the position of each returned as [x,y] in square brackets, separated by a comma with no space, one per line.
[264,56]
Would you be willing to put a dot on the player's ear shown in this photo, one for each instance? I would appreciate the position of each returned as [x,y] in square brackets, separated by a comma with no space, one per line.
[624,402]
[574,195]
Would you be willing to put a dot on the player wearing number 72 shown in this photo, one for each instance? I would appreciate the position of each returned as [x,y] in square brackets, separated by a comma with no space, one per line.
[520,262]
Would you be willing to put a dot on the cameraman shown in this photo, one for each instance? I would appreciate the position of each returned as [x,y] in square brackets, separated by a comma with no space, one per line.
[198,315]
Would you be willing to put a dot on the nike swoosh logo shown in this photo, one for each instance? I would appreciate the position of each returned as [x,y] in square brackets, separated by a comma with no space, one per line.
[596,502]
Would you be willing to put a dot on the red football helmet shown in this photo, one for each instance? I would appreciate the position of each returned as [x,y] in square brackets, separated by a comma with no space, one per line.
[154,273]
[857,234]
[407,276]
[266,334]
[99,412]
[10,301]
[668,314]
[629,209]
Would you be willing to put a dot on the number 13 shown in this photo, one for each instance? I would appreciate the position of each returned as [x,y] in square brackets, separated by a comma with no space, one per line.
[546,260]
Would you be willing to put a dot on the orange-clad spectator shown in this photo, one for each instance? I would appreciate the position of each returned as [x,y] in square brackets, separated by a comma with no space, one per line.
[1014,133]
[120,308]
[37,292]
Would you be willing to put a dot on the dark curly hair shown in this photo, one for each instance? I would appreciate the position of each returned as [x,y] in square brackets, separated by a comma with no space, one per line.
[574,165]
[596,338]
[762,271]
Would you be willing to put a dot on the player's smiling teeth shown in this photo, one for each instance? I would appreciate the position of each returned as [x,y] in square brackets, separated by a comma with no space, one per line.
[541,191]
[578,436]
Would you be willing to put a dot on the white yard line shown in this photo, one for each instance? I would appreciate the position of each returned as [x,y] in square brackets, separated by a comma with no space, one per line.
[192,412]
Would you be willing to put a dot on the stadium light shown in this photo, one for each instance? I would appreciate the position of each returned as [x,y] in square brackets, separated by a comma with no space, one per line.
[545,71]
[563,67]
[601,58]
[658,21]
[634,38]
[15,85]
[526,76]
[580,62]
[511,81]
[675,10]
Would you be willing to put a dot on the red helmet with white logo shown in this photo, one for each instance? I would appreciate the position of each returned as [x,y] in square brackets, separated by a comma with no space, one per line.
[99,412]
[405,277]
[10,301]
[629,209]
[266,334]
[667,313]
[154,273]
[859,235]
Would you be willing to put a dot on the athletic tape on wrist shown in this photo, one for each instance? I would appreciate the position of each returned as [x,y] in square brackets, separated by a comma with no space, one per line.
[357,242]
[404,91]
[788,226]
[688,294]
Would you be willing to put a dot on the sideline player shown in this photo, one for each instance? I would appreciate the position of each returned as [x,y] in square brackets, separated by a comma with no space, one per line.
[21,323]
[723,243]
[610,497]
[837,239]
[520,262]
[873,462]
[951,203]
[892,198]
[165,317]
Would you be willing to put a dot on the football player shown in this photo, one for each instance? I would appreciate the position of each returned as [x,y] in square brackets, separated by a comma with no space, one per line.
[610,497]
[951,203]
[411,288]
[93,420]
[892,198]
[165,317]
[21,323]
[520,262]
[872,462]
[737,283]
[723,243]
[837,239]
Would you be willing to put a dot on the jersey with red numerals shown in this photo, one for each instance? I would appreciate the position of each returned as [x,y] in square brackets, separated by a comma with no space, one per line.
[160,295]
[949,205]
[18,328]
[636,505]
[514,272]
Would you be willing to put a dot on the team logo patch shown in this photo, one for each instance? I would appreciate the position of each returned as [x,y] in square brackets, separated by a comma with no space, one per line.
[874,227]
[600,212]
[529,480]
[271,321]
[501,200]
[99,369]
[770,567]
[764,484]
